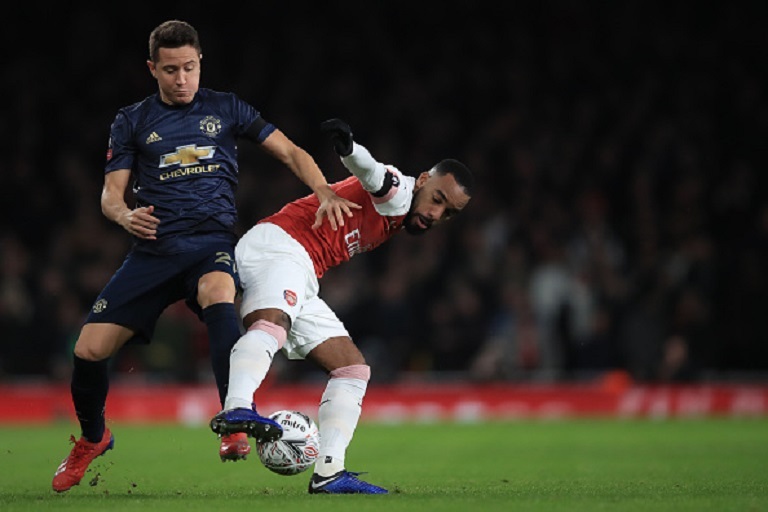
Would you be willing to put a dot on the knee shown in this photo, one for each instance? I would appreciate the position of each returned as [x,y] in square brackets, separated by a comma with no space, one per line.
[215,288]
[213,296]
[90,352]
[355,371]
[276,331]
[101,341]
[271,316]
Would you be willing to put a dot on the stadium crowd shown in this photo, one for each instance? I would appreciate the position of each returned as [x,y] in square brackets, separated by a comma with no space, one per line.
[620,220]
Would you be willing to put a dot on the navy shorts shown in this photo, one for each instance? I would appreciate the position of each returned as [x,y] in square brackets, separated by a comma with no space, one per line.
[147,283]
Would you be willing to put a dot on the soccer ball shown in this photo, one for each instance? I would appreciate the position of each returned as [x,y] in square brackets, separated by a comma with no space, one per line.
[296,450]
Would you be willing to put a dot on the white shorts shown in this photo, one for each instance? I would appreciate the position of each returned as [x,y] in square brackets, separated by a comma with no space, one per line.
[276,272]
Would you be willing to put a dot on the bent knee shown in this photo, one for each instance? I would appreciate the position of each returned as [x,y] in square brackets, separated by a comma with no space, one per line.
[276,331]
[272,315]
[215,288]
[337,353]
[355,371]
[89,353]
[100,341]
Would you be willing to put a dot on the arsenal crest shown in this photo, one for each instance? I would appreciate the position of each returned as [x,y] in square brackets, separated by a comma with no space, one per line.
[290,297]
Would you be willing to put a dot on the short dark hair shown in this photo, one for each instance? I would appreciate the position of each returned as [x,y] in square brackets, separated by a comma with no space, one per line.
[460,172]
[173,34]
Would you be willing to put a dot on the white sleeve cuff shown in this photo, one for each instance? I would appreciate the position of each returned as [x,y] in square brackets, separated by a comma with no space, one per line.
[365,168]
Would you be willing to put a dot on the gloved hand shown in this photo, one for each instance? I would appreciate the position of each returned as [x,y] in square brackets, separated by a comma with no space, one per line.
[341,135]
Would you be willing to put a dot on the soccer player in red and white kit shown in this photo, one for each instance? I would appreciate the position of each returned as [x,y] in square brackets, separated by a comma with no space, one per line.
[280,261]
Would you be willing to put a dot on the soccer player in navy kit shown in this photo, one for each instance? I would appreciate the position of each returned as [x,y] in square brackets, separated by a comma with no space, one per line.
[179,149]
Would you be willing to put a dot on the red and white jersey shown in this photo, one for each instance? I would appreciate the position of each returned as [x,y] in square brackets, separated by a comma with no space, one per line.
[385,196]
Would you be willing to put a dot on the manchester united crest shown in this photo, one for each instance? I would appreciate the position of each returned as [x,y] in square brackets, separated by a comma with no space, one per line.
[100,306]
[210,126]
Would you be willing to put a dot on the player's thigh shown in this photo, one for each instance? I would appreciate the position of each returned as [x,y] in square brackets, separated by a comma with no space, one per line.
[335,353]
[134,298]
[100,341]
[275,284]
[275,271]
[315,325]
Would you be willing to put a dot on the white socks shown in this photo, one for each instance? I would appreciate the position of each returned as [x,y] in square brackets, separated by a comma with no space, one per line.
[338,414]
[340,405]
[249,363]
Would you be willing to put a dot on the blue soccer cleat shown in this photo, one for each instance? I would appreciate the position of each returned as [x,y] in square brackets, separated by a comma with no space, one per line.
[343,482]
[249,421]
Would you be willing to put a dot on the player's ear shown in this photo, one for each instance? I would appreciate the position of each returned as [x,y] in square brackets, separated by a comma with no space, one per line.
[151,66]
[421,180]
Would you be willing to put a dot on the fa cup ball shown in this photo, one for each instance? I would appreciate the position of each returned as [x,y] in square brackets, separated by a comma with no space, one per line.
[298,447]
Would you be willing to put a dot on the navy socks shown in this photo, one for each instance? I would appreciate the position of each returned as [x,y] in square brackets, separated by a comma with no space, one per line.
[89,387]
[223,332]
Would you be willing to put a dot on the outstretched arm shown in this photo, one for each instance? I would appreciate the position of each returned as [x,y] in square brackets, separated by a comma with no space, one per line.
[305,168]
[355,157]
[391,192]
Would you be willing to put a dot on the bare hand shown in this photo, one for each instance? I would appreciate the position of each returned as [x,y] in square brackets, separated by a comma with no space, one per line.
[141,223]
[335,208]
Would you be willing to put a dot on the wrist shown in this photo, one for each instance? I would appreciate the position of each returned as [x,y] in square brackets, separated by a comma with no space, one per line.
[323,191]
[347,150]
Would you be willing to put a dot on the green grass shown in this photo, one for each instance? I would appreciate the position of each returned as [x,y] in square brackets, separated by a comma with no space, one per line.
[684,465]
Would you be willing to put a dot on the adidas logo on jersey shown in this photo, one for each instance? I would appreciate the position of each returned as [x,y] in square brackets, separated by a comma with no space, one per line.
[153,137]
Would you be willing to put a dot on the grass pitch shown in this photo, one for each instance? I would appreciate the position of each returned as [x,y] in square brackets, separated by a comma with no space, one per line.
[589,465]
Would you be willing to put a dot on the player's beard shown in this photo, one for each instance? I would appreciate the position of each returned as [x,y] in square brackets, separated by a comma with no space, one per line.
[411,227]
[408,222]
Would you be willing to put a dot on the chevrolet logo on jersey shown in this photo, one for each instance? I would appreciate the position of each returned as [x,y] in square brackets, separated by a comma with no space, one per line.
[187,155]
[188,158]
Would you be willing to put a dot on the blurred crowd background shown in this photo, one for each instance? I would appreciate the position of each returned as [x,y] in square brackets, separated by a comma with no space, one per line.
[620,220]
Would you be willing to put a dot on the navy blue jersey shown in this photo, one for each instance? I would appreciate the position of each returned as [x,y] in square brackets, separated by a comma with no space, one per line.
[183,161]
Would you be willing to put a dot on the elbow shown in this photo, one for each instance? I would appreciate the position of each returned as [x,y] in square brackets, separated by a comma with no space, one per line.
[104,203]
[107,205]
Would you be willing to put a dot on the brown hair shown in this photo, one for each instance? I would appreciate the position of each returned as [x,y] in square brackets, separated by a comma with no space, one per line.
[173,34]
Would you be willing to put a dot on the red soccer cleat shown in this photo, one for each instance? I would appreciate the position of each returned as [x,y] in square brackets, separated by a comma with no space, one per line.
[234,447]
[73,467]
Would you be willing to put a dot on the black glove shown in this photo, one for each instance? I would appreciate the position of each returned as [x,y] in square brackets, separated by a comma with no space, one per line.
[341,135]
